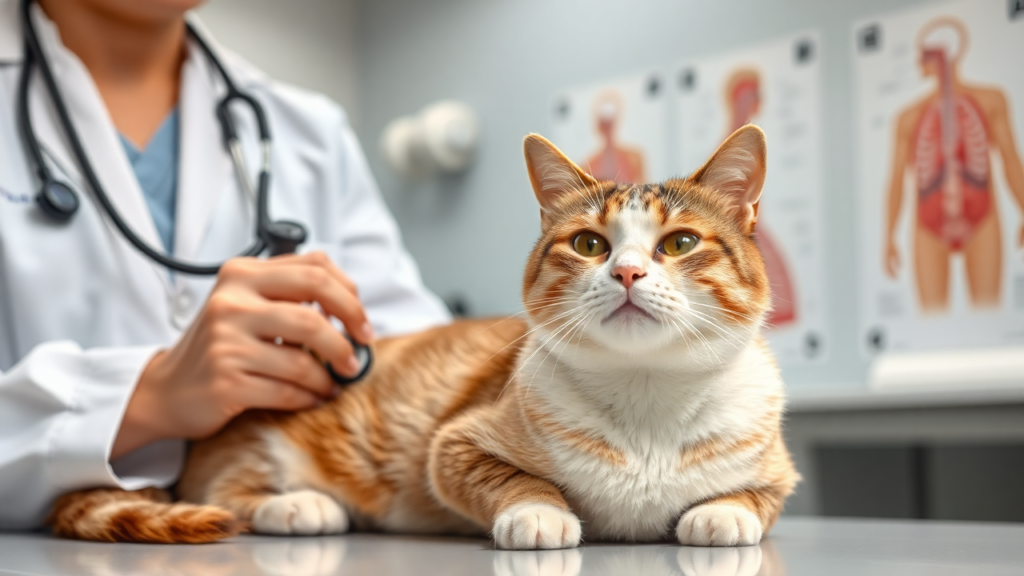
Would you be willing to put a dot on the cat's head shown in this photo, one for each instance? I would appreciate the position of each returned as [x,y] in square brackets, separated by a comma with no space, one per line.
[643,269]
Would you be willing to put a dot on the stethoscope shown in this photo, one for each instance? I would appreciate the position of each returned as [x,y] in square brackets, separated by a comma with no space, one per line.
[59,202]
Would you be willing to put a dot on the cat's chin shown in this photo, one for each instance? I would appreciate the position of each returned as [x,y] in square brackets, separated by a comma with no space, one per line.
[632,333]
[648,341]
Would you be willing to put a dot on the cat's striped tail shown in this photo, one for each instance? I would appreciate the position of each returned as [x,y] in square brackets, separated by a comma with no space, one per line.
[148,515]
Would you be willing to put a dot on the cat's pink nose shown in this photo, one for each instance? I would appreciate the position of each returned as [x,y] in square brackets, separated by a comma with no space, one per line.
[628,274]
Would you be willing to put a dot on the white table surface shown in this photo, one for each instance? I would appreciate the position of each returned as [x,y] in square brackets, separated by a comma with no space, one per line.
[812,546]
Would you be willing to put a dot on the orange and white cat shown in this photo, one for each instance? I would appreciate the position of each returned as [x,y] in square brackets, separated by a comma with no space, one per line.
[636,403]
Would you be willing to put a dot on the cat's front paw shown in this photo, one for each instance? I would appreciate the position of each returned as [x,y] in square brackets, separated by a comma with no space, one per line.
[304,512]
[536,526]
[719,525]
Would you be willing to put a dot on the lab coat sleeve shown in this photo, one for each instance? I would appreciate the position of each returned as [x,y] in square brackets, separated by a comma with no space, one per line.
[60,410]
[373,254]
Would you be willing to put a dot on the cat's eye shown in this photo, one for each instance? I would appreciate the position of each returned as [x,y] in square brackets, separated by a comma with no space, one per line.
[589,244]
[678,244]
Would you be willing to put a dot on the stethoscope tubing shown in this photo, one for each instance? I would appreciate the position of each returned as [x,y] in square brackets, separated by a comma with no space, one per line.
[280,237]
[34,57]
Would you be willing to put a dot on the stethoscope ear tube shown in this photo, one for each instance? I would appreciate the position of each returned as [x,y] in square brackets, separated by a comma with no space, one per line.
[59,202]
[55,199]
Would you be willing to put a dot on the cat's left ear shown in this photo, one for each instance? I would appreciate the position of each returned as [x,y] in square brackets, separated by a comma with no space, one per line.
[552,174]
[737,170]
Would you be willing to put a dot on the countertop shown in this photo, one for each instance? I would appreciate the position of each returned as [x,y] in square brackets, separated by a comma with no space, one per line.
[813,546]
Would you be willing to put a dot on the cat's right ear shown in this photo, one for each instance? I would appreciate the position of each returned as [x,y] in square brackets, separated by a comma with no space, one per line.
[736,171]
[552,174]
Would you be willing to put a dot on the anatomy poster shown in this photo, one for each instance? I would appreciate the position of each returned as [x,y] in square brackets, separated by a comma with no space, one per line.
[940,121]
[776,86]
[616,130]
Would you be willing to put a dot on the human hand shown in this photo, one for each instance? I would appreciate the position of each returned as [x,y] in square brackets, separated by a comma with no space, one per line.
[227,361]
[892,258]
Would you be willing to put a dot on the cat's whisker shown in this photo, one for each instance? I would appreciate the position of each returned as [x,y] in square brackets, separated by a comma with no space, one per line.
[542,298]
[518,314]
[543,324]
[527,333]
[701,338]
[540,347]
[540,306]
[675,317]
[550,299]
[682,333]
[568,323]
[578,330]
[711,354]
[595,199]
[680,328]
[581,334]
[725,333]
[712,322]
[727,311]
[725,340]
[578,327]
[586,192]
[553,301]
[563,326]
[565,296]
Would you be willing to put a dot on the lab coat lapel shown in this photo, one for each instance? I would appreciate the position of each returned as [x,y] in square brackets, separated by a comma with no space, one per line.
[95,129]
[205,168]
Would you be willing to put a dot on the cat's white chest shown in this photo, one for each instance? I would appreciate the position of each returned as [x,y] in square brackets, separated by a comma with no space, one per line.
[628,479]
[641,498]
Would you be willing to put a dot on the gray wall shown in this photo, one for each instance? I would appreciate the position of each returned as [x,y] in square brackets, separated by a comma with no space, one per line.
[309,43]
[471,234]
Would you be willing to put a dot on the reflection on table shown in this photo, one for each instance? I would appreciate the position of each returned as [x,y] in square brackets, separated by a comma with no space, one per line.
[378,554]
[796,546]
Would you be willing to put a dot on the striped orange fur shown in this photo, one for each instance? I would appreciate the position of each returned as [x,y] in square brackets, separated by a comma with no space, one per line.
[638,411]
[144,516]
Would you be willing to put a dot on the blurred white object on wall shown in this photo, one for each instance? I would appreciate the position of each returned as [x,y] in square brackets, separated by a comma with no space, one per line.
[441,138]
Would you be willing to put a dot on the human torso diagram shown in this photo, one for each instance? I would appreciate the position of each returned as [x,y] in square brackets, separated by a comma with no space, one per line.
[613,160]
[951,166]
[743,102]
[944,142]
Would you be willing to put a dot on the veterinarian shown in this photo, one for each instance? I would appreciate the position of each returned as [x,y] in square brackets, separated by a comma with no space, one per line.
[109,356]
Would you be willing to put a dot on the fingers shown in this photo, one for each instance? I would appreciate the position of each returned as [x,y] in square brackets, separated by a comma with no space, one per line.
[322,260]
[291,365]
[304,325]
[270,394]
[306,278]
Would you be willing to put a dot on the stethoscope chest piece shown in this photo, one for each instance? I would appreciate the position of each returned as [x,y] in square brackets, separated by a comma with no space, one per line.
[364,355]
[283,236]
[57,201]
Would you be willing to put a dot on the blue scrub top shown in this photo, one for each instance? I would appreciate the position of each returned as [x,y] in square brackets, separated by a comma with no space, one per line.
[156,169]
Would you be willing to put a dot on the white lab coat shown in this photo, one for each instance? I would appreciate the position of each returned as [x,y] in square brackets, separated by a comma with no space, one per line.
[82,312]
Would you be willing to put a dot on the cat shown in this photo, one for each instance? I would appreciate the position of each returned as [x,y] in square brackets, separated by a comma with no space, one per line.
[637,401]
